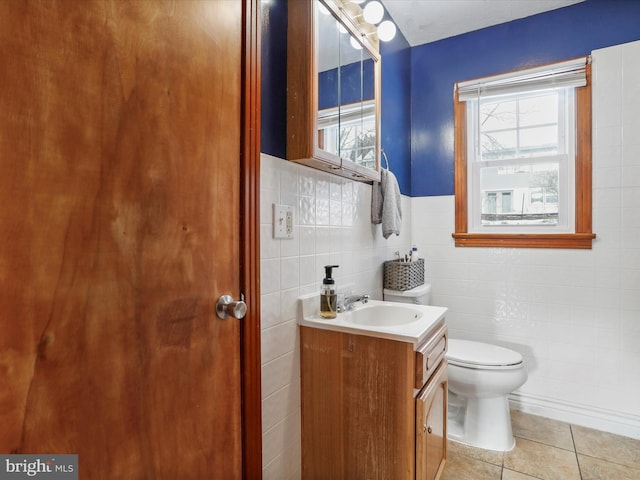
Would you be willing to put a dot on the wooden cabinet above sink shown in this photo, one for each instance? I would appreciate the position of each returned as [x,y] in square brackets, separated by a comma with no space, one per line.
[333,89]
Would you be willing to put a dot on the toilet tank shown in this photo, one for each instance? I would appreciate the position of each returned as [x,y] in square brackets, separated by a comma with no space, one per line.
[420,295]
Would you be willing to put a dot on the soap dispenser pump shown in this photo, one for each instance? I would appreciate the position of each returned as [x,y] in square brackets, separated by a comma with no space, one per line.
[328,294]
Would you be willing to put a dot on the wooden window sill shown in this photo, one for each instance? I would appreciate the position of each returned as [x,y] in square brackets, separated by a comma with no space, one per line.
[525,240]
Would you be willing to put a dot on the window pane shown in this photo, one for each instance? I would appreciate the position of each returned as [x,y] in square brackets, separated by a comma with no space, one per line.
[499,145]
[498,115]
[527,126]
[517,196]
[539,110]
[538,141]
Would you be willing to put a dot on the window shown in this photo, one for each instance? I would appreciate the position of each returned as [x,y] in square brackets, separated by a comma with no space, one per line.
[522,143]
[523,158]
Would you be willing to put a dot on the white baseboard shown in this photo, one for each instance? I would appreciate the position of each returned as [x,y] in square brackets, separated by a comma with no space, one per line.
[582,415]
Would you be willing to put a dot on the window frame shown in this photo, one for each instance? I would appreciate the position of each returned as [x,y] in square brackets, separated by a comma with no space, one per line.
[583,236]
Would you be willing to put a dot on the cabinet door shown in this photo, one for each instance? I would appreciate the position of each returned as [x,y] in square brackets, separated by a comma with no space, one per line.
[431,426]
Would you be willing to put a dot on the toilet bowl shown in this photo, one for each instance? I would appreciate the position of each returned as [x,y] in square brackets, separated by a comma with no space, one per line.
[480,378]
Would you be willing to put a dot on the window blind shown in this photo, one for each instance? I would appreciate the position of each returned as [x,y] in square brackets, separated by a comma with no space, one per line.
[570,73]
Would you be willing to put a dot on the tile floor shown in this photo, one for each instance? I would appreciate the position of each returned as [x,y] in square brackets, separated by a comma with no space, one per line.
[548,450]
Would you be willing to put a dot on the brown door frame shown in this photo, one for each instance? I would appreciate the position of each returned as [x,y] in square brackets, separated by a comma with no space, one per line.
[250,244]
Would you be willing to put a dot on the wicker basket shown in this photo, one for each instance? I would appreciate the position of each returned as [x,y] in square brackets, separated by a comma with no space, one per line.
[403,275]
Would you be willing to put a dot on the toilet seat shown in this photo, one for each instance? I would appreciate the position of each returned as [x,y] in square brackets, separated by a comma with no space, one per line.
[482,356]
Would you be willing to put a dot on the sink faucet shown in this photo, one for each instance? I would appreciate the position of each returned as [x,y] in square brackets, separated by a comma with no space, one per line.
[350,300]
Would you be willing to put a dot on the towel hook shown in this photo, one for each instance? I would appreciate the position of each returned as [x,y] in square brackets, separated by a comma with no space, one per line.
[385,157]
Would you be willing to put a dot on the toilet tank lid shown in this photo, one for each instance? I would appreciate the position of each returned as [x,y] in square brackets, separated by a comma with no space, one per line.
[478,353]
[418,291]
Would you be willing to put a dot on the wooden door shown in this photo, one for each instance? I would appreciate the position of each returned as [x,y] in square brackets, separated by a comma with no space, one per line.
[120,151]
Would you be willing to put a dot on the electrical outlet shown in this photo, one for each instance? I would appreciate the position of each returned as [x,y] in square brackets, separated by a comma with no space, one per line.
[282,221]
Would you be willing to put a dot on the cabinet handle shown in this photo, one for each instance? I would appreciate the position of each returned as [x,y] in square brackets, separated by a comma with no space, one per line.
[429,430]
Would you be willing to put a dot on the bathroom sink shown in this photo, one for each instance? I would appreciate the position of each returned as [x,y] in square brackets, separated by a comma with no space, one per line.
[404,322]
[382,315]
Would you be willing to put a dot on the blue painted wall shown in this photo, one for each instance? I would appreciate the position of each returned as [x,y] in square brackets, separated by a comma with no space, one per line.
[395,109]
[552,36]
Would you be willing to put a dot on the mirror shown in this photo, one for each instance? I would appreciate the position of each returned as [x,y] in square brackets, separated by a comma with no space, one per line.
[346,93]
[344,127]
[328,55]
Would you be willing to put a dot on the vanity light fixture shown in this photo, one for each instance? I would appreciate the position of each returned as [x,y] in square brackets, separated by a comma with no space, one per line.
[386,31]
[373,12]
[372,15]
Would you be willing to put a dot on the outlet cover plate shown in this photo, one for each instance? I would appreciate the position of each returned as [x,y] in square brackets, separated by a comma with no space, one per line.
[282,221]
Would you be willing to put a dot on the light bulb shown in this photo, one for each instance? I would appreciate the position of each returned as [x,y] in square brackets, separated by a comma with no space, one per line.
[373,12]
[386,31]
[355,44]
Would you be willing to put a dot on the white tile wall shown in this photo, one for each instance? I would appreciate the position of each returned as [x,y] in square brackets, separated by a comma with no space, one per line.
[574,315]
[331,226]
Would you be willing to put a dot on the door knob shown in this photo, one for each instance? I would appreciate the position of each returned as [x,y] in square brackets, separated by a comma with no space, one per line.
[228,307]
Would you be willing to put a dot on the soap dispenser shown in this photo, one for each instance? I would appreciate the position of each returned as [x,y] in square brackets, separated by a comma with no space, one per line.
[328,294]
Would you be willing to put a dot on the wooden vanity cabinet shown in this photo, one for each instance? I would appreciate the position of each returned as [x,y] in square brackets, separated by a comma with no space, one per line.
[362,415]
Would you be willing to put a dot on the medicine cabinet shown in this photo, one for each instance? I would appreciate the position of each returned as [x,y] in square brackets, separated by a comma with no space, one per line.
[333,89]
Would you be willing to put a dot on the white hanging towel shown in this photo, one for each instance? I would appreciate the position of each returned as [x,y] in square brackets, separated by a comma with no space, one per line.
[386,203]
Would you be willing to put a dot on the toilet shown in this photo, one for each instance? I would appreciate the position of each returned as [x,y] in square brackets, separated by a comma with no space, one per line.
[481,376]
